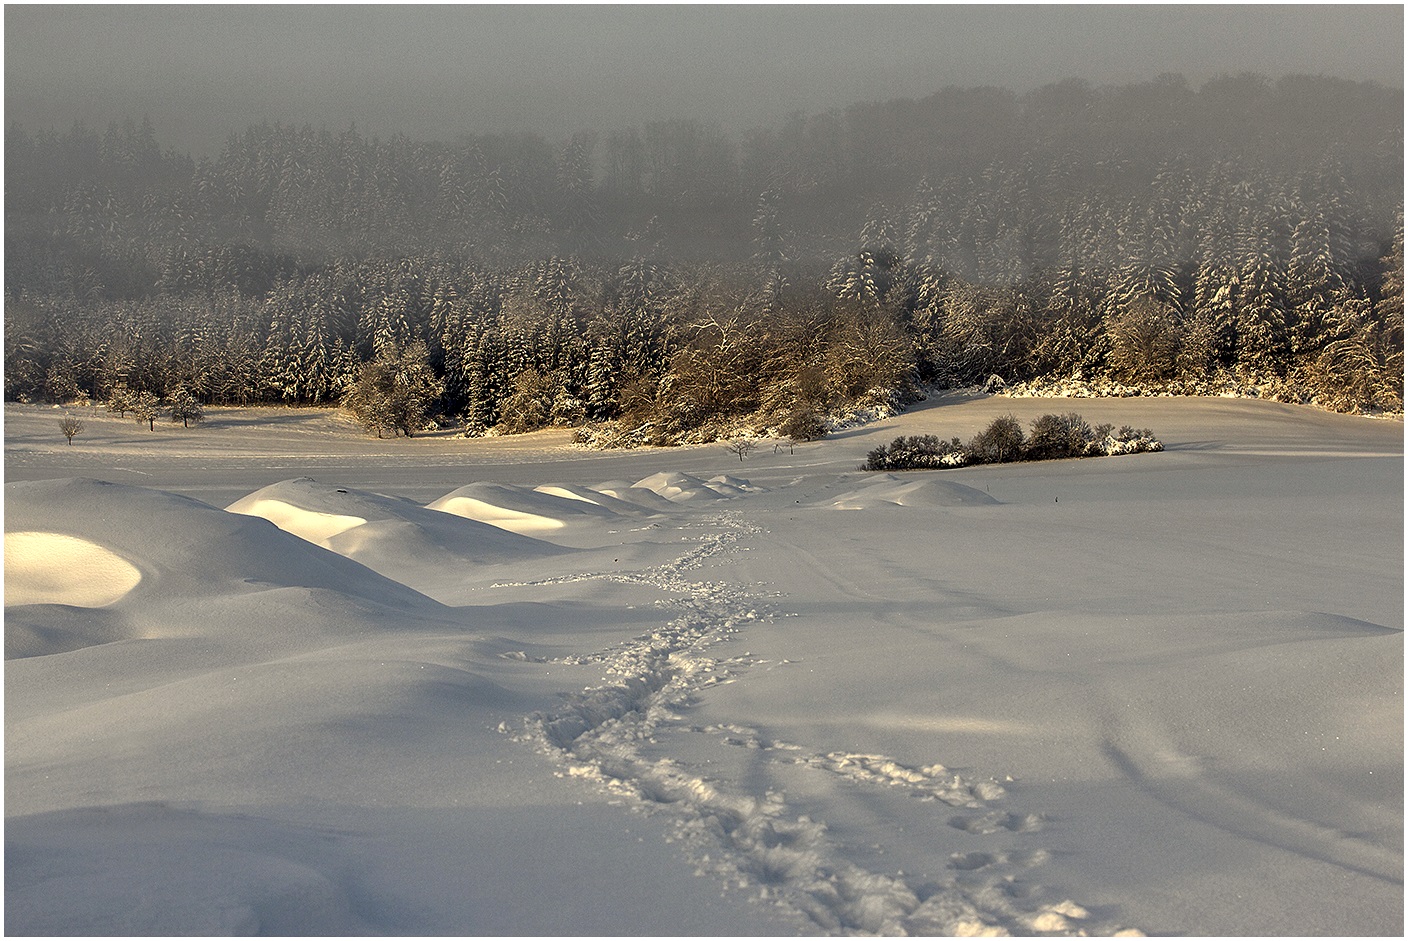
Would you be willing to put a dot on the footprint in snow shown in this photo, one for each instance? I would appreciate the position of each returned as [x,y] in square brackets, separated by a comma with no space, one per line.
[990,823]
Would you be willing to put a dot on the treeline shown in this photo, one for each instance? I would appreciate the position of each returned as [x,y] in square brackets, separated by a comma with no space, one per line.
[677,282]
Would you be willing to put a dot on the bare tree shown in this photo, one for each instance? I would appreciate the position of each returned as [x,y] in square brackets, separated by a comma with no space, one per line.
[742,447]
[70,426]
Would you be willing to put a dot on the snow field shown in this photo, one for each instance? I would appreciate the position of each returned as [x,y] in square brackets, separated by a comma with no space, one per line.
[820,702]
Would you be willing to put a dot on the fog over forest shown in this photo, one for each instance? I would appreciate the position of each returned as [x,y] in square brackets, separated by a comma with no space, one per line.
[202,72]
[667,224]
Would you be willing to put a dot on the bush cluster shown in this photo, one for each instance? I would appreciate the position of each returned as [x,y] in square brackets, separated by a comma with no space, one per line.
[1051,437]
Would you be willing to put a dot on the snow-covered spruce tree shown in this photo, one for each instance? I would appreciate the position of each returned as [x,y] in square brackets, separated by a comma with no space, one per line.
[1262,343]
[60,386]
[1313,285]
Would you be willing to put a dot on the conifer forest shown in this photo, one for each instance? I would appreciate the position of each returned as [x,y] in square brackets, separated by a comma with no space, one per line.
[675,282]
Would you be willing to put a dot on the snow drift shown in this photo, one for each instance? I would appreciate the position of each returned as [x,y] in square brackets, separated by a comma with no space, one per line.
[519,509]
[396,537]
[156,559]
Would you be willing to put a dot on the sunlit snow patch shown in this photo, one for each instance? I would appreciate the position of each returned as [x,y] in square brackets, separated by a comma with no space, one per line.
[311,525]
[519,509]
[514,520]
[51,568]
[569,493]
[596,499]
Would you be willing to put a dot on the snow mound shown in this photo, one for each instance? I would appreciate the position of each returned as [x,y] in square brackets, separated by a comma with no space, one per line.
[899,491]
[729,485]
[391,535]
[593,496]
[629,493]
[679,487]
[311,525]
[518,509]
[191,561]
[251,733]
[40,568]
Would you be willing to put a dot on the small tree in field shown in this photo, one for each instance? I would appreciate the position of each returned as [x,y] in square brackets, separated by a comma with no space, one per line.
[185,408]
[145,407]
[395,391]
[120,400]
[70,426]
[742,447]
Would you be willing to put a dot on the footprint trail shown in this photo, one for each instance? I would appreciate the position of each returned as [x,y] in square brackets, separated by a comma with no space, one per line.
[612,735]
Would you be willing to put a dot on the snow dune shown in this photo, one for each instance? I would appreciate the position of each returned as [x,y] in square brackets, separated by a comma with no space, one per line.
[679,487]
[634,495]
[519,509]
[597,497]
[170,556]
[914,491]
[403,540]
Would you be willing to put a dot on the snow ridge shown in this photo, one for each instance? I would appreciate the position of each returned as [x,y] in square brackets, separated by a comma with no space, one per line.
[757,842]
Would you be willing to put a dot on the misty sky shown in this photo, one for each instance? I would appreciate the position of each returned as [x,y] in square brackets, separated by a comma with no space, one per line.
[435,72]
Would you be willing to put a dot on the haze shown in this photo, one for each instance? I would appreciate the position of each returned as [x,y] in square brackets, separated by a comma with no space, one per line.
[202,72]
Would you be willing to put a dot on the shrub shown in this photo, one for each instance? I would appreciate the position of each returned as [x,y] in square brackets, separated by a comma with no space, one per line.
[120,400]
[803,425]
[1058,436]
[916,452]
[1128,441]
[999,442]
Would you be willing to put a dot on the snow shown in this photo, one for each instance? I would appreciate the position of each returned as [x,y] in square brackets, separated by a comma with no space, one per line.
[453,687]
[519,509]
[39,569]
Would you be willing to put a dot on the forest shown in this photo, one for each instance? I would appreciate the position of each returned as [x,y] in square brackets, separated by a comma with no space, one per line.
[676,282]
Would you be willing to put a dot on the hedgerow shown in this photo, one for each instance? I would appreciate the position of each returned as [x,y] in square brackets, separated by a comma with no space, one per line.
[1052,437]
